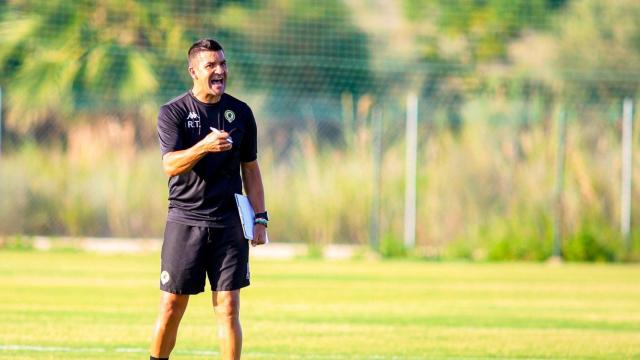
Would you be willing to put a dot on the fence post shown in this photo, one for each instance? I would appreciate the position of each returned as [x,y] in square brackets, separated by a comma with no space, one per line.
[1,121]
[625,193]
[558,193]
[374,239]
[411,169]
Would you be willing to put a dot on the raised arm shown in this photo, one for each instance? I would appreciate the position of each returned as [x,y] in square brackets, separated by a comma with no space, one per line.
[181,161]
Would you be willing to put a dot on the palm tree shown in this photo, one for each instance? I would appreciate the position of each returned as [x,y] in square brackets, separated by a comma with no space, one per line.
[60,58]
[64,60]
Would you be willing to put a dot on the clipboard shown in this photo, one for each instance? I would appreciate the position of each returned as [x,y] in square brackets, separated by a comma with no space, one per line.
[247,216]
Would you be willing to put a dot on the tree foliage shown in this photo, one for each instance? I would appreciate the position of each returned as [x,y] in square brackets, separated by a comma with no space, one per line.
[61,58]
[599,48]
[468,31]
[61,61]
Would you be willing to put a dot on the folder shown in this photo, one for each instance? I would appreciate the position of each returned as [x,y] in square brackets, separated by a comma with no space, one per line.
[247,216]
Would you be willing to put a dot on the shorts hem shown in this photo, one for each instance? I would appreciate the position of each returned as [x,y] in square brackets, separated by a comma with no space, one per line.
[231,288]
[182,292]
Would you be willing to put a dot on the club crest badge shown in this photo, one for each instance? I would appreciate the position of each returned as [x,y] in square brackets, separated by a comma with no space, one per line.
[229,115]
[164,277]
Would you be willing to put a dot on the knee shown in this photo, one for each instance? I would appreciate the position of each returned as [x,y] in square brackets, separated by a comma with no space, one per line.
[227,306]
[172,307]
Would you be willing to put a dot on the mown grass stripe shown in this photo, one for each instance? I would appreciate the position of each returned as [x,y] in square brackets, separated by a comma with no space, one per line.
[205,353]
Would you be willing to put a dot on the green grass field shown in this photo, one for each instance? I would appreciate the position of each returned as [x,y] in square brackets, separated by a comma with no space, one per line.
[73,305]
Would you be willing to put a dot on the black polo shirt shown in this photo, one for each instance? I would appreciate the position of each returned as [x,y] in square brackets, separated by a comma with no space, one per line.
[204,196]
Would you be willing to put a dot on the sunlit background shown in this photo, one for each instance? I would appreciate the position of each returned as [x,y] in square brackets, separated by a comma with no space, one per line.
[521,108]
[422,159]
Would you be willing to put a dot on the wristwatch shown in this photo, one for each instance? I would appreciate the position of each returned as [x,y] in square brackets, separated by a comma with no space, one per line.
[262,219]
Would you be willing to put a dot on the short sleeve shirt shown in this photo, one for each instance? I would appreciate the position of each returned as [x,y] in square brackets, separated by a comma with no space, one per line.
[204,196]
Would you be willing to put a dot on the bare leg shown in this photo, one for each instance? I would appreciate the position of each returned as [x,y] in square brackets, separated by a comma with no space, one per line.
[172,307]
[226,305]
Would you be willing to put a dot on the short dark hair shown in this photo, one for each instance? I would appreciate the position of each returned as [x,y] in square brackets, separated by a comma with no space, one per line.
[203,45]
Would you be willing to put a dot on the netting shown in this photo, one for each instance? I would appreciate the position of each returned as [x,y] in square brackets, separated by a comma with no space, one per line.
[82,83]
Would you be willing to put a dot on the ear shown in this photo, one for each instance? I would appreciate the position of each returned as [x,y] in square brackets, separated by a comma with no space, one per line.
[192,72]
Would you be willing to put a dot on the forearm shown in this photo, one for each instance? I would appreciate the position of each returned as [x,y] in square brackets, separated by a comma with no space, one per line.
[252,180]
[182,161]
[256,197]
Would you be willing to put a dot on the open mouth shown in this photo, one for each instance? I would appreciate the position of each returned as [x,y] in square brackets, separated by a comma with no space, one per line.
[217,81]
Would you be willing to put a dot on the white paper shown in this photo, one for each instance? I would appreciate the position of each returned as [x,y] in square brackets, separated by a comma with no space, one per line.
[247,217]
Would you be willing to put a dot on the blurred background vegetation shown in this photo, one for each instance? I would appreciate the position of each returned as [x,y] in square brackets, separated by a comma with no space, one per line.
[82,82]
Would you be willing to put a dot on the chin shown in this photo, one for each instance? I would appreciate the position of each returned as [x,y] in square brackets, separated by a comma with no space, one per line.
[217,92]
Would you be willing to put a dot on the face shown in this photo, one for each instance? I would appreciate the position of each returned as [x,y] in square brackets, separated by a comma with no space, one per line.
[208,70]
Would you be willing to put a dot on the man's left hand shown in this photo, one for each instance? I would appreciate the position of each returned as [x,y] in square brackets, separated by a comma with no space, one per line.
[259,235]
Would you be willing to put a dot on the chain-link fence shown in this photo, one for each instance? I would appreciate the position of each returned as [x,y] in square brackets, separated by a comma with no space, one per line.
[519,109]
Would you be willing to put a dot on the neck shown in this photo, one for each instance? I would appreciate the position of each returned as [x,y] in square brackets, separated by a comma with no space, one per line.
[204,96]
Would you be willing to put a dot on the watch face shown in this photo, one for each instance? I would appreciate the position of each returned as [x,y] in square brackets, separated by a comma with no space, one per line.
[262,215]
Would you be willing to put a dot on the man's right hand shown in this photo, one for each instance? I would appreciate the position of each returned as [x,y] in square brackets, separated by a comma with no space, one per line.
[217,141]
[179,162]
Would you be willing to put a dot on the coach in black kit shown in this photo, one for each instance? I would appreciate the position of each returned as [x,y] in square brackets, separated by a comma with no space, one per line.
[207,139]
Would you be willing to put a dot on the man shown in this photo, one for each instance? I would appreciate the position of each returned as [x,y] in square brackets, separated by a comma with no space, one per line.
[207,139]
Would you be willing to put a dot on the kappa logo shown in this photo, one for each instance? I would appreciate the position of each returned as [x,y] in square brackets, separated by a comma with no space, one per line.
[229,115]
[164,277]
[193,120]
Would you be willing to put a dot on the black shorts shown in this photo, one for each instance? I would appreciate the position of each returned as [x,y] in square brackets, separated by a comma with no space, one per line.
[190,252]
